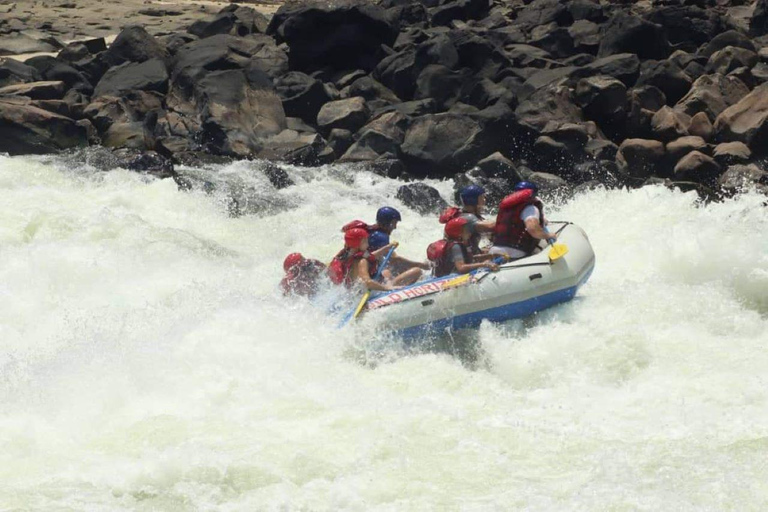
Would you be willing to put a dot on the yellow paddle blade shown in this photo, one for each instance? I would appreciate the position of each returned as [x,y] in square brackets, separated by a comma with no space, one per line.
[557,251]
[456,281]
[359,307]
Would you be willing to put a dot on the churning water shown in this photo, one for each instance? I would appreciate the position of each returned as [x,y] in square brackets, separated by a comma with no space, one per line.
[147,361]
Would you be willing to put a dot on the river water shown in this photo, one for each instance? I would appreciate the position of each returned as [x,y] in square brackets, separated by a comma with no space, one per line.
[147,361]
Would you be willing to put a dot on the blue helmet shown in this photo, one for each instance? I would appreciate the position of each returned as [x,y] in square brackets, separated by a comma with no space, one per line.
[387,215]
[527,185]
[377,240]
[471,194]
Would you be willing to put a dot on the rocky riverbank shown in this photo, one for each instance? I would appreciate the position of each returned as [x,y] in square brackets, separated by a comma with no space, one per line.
[569,93]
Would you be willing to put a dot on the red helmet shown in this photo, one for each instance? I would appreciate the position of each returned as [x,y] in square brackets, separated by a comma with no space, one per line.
[354,237]
[292,260]
[455,227]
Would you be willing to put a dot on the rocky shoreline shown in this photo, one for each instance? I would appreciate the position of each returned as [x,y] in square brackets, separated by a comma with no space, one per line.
[568,93]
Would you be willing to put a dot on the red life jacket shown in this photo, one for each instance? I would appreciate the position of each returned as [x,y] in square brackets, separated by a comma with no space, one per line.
[510,229]
[439,253]
[370,228]
[303,279]
[451,213]
[340,269]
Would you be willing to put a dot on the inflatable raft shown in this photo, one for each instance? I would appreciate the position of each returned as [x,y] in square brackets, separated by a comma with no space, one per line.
[520,288]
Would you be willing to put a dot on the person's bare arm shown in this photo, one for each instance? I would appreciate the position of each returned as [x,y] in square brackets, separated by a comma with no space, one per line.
[379,253]
[364,275]
[464,268]
[533,226]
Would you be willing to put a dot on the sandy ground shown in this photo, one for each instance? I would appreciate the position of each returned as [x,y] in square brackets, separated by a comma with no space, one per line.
[70,20]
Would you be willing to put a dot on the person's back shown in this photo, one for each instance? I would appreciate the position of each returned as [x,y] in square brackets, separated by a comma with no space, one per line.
[520,223]
[302,275]
[452,254]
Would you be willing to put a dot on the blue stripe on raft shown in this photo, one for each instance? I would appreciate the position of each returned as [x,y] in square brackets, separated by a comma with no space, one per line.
[498,314]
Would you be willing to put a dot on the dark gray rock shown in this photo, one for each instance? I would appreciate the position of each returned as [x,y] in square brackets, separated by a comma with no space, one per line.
[150,75]
[421,198]
[302,95]
[625,33]
[349,114]
[30,130]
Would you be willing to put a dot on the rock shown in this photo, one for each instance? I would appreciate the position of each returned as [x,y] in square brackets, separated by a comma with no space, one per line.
[649,97]
[146,161]
[349,114]
[421,198]
[293,148]
[269,59]
[599,149]
[340,141]
[131,135]
[678,148]
[338,35]
[135,44]
[372,145]
[278,176]
[640,156]
[133,106]
[586,10]
[758,25]
[550,104]
[729,153]
[370,89]
[17,44]
[711,94]
[668,124]
[624,67]
[668,77]
[586,36]
[625,33]
[414,108]
[556,40]
[234,20]
[499,166]
[543,12]
[30,130]
[740,178]
[730,58]
[302,95]
[238,114]
[149,75]
[729,38]
[746,120]
[549,184]
[35,90]
[441,84]
[601,97]
[443,143]
[15,72]
[698,167]
[392,124]
[701,126]
[686,24]
[459,10]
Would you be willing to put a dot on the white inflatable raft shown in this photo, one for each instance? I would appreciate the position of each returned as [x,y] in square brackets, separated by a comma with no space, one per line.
[520,288]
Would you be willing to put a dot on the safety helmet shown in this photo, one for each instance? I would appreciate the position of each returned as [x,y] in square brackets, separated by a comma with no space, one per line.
[386,215]
[471,194]
[292,260]
[354,237]
[527,185]
[455,227]
[377,240]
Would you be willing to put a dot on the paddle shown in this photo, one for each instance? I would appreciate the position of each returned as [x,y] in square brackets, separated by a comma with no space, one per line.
[557,251]
[355,312]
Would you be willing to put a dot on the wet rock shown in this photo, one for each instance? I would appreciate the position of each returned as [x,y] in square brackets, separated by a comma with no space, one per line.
[150,75]
[392,124]
[372,145]
[497,165]
[278,176]
[701,126]
[338,35]
[340,141]
[349,114]
[668,124]
[302,95]
[30,130]
[740,178]
[640,156]
[146,161]
[625,33]
[421,198]
[730,153]
[698,167]
[35,90]
[678,148]
[711,94]
[293,148]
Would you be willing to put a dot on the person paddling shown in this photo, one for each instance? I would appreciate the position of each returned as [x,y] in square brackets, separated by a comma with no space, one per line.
[355,263]
[473,205]
[520,223]
[453,254]
[302,275]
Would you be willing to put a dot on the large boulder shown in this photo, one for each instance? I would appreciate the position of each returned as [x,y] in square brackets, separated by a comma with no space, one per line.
[601,97]
[30,130]
[543,12]
[15,72]
[17,44]
[739,178]
[758,25]
[668,77]
[624,67]
[441,84]
[728,38]
[687,24]
[625,33]
[50,90]
[459,10]
[678,148]
[668,124]
[421,198]
[640,156]
[746,121]
[729,153]
[234,20]
[712,94]
[701,126]
[550,104]
[348,114]
[340,34]
[135,44]
[302,95]
[698,167]
[729,59]
[150,75]
[440,144]
[238,114]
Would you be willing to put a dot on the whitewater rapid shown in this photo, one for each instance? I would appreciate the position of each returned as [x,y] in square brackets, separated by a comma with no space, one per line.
[147,361]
